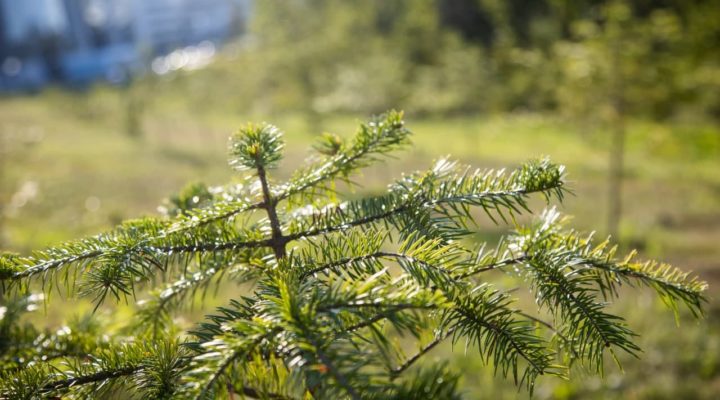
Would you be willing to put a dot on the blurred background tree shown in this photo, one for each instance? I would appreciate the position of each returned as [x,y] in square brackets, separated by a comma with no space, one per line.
[480,55]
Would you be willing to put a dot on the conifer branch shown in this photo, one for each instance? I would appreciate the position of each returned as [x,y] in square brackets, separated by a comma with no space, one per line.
[392,306]
[211,247]
[335,372]
[223,354]
[453,191]
[498,330]
[380,136]
[255,394]
[490,267]
[424,350]
[381,316]
[96,377]
[220,211]
[51,264]
[374,256]
[346,225]
[155,311]
[565,340]
[330,286]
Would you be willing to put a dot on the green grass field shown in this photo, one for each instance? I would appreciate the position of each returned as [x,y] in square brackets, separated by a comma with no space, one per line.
[70,169]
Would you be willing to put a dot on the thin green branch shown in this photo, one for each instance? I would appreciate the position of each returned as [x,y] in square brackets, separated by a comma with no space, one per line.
[51,264]
[500,332]
[347,225]
[194,222]
[377,318]
[555,331]
[228,361]
[255,394]
[397,371]
[96,377]
[394,307]
[589,317]
[217,246]
[376,255]
[496,265]
[339,377]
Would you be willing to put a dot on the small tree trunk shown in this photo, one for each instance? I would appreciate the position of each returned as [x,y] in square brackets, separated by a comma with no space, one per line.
[617,159]
[3,200]
[617,147]
[133,114]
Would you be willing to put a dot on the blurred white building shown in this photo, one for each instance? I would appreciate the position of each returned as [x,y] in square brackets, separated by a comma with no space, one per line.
[80,41]
[162,25]
[22,19]
[28,30]
[159,25]
[99,42]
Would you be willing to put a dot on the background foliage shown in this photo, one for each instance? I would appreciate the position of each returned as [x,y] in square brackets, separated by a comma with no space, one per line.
[459,56]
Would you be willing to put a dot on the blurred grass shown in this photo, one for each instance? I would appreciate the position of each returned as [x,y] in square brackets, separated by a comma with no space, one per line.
[89,173]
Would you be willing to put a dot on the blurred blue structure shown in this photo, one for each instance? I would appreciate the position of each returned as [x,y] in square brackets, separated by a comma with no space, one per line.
[77,42]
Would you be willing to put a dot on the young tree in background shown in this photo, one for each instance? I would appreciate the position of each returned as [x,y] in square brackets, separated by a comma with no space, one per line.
[617,15]
[608,73]
[4,152]
[4,195]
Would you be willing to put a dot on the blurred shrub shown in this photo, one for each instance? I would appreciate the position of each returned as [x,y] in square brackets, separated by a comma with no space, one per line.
[319,56]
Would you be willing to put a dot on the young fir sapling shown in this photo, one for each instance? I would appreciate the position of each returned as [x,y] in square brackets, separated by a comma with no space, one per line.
[328,286]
